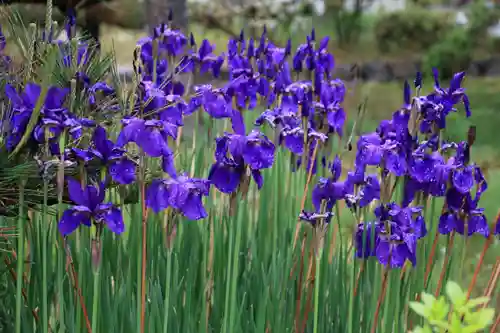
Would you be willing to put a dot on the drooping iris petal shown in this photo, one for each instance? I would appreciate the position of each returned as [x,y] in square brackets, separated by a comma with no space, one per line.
[476,223]
[224,177]
[157,196]
[168,164]
[152,142]
[447,223]
[114,220]
[123,171]
[193,208]
[71,220]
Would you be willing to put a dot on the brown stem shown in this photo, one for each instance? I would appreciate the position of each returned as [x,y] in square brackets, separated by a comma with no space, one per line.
[478,266]
[77,288]
[144,238]
[13,274]
[380,299]
[445,263]
[333,242]
[299,286]
[430,260]
[311,273]
[359,277]
[304,195]
[495,274]
[496,324]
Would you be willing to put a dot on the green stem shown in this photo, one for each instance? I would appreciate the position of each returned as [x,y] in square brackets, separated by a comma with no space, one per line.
[350,319]
[228,284]
[97,285]
[167,290]
[45,303]
[316,289]
[234,282]
[20,259]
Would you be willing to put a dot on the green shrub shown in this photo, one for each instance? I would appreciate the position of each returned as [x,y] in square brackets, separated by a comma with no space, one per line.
[481,17]
[412,29]
[452,54]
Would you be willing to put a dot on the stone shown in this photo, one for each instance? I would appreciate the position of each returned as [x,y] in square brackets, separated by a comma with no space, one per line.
[494,67]
[376,71]
[404,69]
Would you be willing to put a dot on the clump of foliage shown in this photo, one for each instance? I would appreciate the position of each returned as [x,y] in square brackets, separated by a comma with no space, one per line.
[458,316]
[413,29]
[452,54]
[455,51]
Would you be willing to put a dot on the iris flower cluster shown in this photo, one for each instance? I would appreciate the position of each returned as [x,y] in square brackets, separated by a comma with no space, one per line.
[408,151]
[303,105]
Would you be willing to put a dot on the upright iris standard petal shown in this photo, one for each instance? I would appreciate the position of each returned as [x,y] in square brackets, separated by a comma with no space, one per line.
[463,179]
[78,195]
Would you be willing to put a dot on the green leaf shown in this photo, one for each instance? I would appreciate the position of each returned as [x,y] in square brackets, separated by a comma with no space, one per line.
[485,316]
[456,323]
[419,308]
[428,299]
[476,301]
[455,294]
[425,329]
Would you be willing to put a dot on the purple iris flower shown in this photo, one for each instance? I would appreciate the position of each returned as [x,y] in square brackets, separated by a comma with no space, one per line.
[329,190]
[53,115]
[151,136]
[304,54]
[120,167]
[393,237]
[181,193]
[388,153]
[100,87]
[88,208]
[83,53]
[213,100]
[235,152]
[169,107]
[70,24]
[462,213]
[204,59]
[435,107]
[361,189]
[315,218]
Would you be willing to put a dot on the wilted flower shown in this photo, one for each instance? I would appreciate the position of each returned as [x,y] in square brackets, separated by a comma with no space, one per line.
[315,218]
